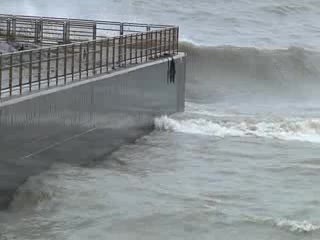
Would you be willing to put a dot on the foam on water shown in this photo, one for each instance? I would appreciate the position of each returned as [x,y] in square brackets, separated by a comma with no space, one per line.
[286,129]
[295,226]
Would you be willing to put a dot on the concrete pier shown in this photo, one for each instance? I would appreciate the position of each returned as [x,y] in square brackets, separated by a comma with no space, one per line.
[80,89]
[82,122]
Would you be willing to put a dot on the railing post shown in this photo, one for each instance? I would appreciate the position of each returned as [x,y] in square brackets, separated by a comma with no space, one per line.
[120,43]
[174,35]
[65,50]
[66,32]
[48,66]
[148,42]
[41,31]
[72,63]
[113,52]
[14,28]
[169,41]
[30,70]
[20,71]
[136,49]
[131,42]
[39,68]
[87,58]
[101,55]
[11,74]
[107,55]
[141,47]
[8,29]
[57,65]
[80,61]
[37,30]
[177,39]
[160,44]
[156,44]
[165,41]
[69,31]
[121,29]
[125,51]
[94,34]
[94,57]
[0,74]
[151,44]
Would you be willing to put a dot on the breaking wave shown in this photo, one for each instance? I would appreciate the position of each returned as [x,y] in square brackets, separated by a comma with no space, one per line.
[285,129]
[40,191]
[32,194]
[290,225]
[262,82]
[223,72]
[296,226]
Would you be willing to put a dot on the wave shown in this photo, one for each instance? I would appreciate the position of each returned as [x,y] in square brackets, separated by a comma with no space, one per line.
[221,72]
[290,225]
[39,192]
[307,130]
[288,9]
[32,194]
[296,226]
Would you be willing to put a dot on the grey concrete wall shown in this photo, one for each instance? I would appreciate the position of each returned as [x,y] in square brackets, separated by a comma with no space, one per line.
[82,122]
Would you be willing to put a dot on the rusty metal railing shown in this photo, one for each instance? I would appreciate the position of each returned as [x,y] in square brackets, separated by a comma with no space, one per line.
[26,71]
[49,30]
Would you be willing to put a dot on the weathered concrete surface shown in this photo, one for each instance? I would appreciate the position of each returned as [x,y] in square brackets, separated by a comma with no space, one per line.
[82,122]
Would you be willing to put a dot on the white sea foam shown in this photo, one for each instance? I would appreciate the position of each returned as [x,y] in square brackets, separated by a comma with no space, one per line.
[284,129]
[297,226]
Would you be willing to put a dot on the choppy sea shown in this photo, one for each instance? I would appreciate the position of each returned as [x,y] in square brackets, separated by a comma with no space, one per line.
[240,163]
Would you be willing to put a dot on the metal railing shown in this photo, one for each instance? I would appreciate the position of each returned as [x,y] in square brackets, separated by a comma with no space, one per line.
[40,68]
[48,30]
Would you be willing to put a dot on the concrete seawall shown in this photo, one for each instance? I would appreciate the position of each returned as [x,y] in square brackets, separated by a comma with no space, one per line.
[82,122]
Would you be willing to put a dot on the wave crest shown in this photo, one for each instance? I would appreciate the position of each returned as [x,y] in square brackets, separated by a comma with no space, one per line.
[296,226]
[303,226]
[222,72]
[285,129]
[32,194]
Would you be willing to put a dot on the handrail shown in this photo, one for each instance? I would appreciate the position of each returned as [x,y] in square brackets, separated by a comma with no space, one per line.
[83,20]
[52,30]
[45,67]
